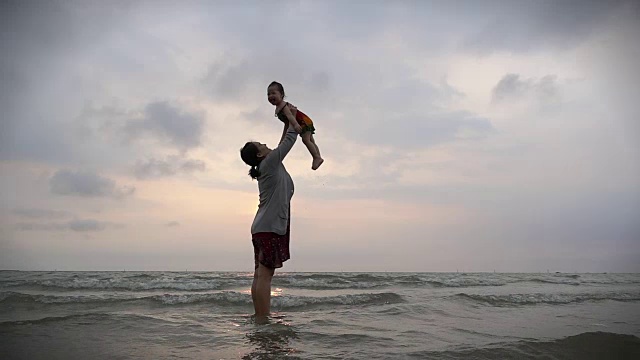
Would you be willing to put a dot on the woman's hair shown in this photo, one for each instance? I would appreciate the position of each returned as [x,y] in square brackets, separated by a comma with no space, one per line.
[278,86]
[249,154]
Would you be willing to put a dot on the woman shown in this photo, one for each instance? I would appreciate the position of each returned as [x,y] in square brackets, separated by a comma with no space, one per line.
[270,228]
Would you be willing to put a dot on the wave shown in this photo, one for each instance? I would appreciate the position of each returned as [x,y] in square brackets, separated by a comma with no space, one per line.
[560,281]
[369,281]
[223,298]
[328,281]
[465,282]
[588,345]
[140,282]
[291,302]
[149,282]
[539,298]
[86,318]
[443,280]
[185,281]
[226,298]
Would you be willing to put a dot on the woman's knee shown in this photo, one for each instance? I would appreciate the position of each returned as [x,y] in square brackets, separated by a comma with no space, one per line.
[264,271]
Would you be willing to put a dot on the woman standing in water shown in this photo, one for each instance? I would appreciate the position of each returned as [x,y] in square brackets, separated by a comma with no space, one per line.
[270,228]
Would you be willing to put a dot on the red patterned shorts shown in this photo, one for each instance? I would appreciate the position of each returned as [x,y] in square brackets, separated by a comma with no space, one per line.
[271,249]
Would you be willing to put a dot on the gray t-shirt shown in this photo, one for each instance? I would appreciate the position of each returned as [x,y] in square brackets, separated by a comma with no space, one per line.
[276,189]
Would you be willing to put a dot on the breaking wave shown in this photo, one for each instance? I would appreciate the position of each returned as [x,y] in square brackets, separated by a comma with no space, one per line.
[553,299]
[226,298]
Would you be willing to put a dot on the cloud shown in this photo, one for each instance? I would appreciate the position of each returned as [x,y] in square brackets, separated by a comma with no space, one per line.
[76,225]
[167,123]
[41,81]
[192,165]
[173,165]
[320,81]
[412,130]
[33,213]
[86,184]
[511,86]
[172,224]
[527,26]
[227,80]
[87,225]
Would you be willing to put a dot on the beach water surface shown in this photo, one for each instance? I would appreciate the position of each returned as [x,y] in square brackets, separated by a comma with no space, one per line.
[207,315]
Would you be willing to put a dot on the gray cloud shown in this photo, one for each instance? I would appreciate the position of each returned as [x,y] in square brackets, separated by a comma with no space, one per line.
[24,138]
[377,102]
[94,122]
[484,27]
[511,86]
[173,165]
[525,26]
[40,227]
[37,38]
[320,81]
[423,130]
[33,213]
[228,81]
[193,165]
[172,224]
[86,184]
[87,225]
[245,81]
[76,225]
[410,93]
[166,122]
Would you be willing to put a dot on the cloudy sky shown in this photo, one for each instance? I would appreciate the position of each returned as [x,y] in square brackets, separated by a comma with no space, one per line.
[470,135]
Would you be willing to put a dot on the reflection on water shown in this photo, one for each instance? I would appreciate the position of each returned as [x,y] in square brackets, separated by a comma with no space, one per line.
[276,292]
[271,340]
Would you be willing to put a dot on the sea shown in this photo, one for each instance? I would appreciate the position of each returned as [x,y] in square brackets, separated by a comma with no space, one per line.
[345,315]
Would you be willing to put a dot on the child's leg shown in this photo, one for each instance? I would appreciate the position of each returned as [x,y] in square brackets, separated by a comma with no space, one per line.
[316,145]
[311,146]
[308,141]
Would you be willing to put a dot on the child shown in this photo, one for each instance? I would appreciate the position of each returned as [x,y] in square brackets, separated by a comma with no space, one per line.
[291,116]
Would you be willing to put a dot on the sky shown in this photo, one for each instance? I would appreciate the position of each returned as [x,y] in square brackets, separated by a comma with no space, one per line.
[457,135]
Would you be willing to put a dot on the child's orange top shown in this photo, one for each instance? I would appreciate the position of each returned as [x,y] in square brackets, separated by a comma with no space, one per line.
[301,117]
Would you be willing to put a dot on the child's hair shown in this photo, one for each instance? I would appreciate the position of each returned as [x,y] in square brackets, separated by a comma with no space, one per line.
[277,85]
[249,154]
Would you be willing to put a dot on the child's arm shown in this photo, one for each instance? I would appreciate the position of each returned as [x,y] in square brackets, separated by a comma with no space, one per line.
[292,119]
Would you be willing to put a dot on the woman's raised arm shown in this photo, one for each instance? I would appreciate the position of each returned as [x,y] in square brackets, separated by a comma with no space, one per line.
[278,154]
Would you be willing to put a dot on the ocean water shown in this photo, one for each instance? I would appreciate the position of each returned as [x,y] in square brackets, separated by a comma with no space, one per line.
[207,315]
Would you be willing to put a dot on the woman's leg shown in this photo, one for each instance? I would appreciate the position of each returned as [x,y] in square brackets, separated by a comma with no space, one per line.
[307,139]
[253,286]
[262,298]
